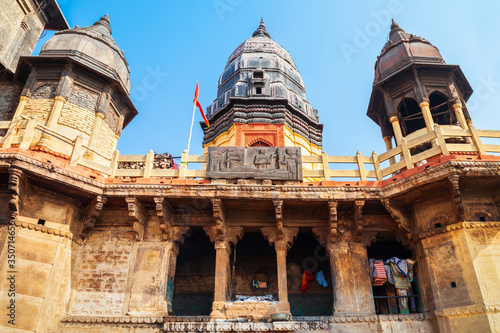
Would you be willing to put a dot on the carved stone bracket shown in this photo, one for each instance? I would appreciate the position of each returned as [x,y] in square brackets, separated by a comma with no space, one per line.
[219,212]
[358,218]
[333,219]
[455,182]
[91,215]
[138,215]
[232,234]
[165,213]
[273,237]
[278,211]
[17,188]
[400,215]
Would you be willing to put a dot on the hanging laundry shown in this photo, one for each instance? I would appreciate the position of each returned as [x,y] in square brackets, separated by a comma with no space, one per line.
[403,301]
[411,265]
[399,270]
[388,272]
[320,277]
[412,300]
[377,272]
[305,280]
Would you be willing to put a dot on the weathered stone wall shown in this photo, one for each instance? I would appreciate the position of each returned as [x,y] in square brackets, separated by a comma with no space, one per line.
[10,91]
[102,279]
[20,29]
[42,278]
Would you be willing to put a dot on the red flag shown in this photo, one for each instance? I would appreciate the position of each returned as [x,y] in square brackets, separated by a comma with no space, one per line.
[195,101]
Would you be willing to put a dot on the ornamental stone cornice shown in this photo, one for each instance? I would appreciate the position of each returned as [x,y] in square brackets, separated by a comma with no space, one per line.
[47,230]
[459,226]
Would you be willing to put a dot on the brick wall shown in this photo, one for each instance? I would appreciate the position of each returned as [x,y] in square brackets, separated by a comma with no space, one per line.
[39,107]
[77,117]
[9,98]
[102,280]
[106,141]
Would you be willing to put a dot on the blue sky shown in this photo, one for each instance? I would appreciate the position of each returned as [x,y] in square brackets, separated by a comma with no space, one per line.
[172,44]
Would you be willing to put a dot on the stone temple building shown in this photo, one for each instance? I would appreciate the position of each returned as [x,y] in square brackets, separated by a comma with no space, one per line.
[269,234]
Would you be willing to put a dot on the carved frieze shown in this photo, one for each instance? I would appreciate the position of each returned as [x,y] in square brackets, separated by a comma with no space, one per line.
[283,163]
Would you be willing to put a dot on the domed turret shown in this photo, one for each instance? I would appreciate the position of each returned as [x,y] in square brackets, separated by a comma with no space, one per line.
[261,99]
[403,49]
[414,89]
[92,45]
[78,86]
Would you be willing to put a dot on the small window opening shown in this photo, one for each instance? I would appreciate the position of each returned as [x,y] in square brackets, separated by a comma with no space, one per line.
[258,90]
[437,225]
[453,284]
[258,75]
[482,218]
[41,221]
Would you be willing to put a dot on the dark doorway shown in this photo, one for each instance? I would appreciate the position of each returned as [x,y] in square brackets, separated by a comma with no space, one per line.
[307,254]
[194,277]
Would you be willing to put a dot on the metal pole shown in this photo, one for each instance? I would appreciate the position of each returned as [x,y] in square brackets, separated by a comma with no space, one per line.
[191,130]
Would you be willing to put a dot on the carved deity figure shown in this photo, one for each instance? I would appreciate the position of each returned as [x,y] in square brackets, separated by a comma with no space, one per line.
[288,161]
[263,160]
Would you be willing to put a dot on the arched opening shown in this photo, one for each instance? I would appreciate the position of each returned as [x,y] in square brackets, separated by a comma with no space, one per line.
[260,143]
[307,254]
[253,270]
[194,277]
[411,116]
[441,111]
[398,294]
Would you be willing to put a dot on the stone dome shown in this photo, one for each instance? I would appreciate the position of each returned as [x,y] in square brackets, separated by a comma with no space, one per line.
[279,77]
[403,49]
[93,46]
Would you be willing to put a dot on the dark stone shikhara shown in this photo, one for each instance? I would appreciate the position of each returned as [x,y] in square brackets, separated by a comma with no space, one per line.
[284,163]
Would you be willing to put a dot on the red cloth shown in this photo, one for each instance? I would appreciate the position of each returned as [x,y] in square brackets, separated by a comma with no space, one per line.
[381,275]
[195,101]
[305,280]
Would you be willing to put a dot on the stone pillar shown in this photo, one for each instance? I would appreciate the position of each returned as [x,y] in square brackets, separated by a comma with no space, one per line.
[222,273]
[388,146]
[351,279]
[53,118]
[426,112]
[396,129]
[281,249]
[172,251]
[20,107]
[457,107]
[99,117]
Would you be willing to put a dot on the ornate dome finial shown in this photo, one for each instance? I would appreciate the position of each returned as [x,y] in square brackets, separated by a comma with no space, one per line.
[261,30]
[395,27]
[104,21]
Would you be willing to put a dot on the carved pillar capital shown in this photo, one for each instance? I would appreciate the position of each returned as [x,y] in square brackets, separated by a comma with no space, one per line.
[273,237]
[232,234]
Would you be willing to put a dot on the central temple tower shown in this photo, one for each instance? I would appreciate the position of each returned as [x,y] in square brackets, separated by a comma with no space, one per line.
[261,101]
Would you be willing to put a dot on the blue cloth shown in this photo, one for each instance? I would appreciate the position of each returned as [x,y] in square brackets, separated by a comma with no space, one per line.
[320,277]
[400,264]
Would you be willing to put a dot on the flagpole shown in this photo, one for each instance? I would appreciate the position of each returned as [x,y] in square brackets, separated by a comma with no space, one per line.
[191,130]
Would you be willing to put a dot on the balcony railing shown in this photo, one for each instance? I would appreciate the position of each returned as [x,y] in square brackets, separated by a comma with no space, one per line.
[442,140]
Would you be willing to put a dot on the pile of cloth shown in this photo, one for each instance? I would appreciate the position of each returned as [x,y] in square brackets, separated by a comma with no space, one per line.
[377,272]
